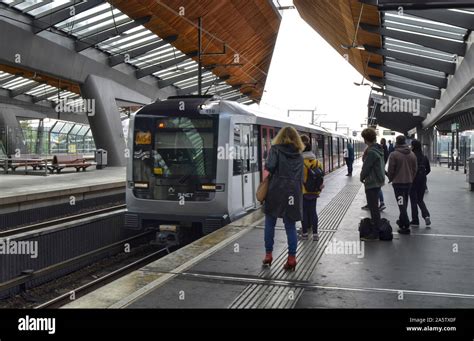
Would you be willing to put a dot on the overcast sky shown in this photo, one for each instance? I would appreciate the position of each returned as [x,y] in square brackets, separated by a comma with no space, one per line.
[306,72]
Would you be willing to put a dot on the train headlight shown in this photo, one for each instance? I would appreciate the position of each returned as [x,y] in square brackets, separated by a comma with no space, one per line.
[210,187]
[143,185]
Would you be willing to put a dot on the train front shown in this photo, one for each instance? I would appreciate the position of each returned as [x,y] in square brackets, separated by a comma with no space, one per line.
[172,173]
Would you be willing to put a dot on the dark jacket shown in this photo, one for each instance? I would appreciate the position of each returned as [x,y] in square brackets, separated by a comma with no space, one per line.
[391,148]
[385,152]
[285,197]
[373,169]
[402,165]
[423,169]
[350,152]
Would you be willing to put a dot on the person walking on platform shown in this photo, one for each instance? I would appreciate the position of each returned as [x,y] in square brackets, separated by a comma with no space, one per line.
[383,144]
[373,177]
[312,186]
[402,167]
[391,148]
[284,198]
[418,187]
[349,157]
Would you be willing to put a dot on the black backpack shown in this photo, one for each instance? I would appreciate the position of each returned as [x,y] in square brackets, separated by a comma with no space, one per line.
[385,230]
[314,180]
[365,228]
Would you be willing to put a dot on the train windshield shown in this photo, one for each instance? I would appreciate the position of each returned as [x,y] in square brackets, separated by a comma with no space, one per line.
[174,154]
[184,147]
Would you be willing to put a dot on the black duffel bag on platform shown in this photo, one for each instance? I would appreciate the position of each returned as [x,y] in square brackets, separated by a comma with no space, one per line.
[365,228]
[385,230]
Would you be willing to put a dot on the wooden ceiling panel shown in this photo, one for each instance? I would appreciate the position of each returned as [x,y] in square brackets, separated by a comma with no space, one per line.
[41,78]
[249,28]
[336,21]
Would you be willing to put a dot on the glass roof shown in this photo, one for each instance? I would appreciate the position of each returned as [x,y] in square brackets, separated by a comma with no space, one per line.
[85,25]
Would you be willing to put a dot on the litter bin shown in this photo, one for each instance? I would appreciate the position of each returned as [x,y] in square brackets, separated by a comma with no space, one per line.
[101,158]
[471,172]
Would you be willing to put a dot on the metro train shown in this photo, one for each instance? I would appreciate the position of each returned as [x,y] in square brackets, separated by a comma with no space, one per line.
[196,163]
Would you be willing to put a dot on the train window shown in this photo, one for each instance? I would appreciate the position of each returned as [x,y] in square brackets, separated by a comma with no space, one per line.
[238,162]
[264,143]
[245,149]
[181,155]
[335,153]
[327,154]
[254,164]
[184,146]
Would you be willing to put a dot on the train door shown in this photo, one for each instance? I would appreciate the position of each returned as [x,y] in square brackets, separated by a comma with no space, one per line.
[344,146]
[327,154]
[320,149]
[249,164]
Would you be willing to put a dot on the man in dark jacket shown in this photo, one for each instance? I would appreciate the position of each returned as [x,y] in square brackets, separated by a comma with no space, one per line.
[349,157]
[391,148]
[402,166]
[373,177]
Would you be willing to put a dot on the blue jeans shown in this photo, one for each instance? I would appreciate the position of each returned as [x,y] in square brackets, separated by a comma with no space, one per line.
[290,228]
[310,216]
[381,196]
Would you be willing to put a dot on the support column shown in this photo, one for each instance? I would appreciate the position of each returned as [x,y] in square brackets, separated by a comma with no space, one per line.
[11,132]
[105,122]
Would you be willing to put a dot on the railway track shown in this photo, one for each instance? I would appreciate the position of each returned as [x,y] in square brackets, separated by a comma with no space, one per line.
[71,263]
[103,280]
[57,221]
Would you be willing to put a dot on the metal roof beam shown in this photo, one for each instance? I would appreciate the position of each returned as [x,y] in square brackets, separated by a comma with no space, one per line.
[8,79]
[162,66]
[458,19]
[23,89]
[112,32]
[425,29]
[428,63]
[120,58]
[416,76]
[51,19]
[431,42]
[429,103]
[414,88]
[46,95]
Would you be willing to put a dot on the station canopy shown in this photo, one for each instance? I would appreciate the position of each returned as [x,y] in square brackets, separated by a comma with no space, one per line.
[160,40]
[408,49]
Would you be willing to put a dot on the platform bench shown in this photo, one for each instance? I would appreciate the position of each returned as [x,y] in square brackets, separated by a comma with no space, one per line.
[68,161]
[31,160]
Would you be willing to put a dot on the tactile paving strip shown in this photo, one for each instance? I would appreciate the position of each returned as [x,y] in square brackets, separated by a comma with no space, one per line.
[308,255]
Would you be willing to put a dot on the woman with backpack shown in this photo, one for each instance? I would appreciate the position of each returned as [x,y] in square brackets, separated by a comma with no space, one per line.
[312,186]
[284,198]
[417,191]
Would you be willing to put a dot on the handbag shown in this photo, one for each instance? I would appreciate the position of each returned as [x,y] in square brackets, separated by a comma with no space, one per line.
[262,190]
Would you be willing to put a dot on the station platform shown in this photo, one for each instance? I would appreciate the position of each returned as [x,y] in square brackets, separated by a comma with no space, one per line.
[24,188]
[430,268]
[27,198]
